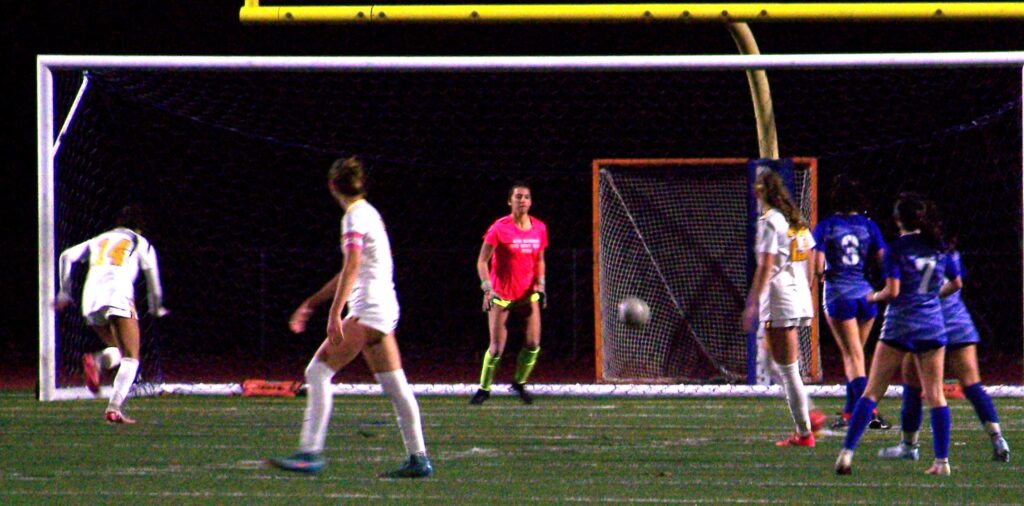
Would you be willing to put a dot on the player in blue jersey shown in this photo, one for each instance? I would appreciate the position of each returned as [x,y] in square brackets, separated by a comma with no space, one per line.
[915,266]
[961,356]
[845,243]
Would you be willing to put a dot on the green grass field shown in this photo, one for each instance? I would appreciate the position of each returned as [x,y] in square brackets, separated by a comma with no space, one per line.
[193,450]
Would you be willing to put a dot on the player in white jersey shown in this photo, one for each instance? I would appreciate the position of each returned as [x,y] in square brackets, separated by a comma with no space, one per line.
[780,293]
[365,284]
[108,301]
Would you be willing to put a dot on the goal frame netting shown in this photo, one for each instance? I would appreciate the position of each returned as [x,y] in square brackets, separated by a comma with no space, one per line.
[48,141]
[756,373]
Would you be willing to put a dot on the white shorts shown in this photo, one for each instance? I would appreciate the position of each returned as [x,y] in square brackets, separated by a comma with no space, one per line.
[103,315]
[787,311]
[783,323]
[380,314]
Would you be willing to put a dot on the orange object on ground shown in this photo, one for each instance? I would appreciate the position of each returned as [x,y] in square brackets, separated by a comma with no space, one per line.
[266,388]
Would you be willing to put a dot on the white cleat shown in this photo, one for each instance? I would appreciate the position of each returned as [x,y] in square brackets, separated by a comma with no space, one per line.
[844,463]
[903,451]
[939,469]
[1000,450]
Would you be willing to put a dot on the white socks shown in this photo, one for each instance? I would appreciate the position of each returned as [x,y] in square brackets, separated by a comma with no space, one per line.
[319,400]
[796,396]
[123,382]
[109,358]
[407,411]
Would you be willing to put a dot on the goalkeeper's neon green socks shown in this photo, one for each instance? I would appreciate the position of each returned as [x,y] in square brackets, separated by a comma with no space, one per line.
[524,364]
[487,371]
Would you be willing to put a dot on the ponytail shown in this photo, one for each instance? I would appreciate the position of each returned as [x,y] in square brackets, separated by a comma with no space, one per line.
[770,187]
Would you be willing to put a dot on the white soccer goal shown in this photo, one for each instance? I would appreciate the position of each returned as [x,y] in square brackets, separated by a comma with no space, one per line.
[231,150]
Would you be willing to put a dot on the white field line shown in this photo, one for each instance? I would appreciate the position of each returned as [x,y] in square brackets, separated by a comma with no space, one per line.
[540,389]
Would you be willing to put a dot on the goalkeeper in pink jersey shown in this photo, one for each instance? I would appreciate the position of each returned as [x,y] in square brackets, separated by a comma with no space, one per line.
[108,301]
[511,270]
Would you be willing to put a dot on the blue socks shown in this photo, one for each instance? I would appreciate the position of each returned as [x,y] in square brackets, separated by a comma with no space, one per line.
[854,390]
[941,424]
[863,412]
[982,403]
[911,412]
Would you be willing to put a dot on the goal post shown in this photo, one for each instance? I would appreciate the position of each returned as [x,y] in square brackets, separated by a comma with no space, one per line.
[232,151]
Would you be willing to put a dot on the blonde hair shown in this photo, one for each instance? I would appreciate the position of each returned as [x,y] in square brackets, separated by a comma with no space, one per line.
[772,190]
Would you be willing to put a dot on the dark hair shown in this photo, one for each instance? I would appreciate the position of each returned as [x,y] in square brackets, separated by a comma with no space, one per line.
[518,184]
[846,195]
[131,217]
[914,212]
[775,194]
[347,177]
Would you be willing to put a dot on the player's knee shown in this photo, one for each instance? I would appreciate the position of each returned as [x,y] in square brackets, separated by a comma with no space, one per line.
[309,373]
[934,396]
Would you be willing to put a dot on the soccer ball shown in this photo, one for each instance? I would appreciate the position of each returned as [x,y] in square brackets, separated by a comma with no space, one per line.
[634,311]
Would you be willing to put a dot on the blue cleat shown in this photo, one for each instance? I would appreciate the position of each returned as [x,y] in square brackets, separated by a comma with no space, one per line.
[903,451]
[301,462]
[418,466]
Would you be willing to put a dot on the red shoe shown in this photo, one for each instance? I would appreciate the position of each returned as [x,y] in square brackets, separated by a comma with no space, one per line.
[797,440]
[818,419]
[91,372]
[116,417]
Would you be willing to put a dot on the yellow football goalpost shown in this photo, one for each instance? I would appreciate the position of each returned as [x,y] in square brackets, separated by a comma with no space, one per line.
[253,12]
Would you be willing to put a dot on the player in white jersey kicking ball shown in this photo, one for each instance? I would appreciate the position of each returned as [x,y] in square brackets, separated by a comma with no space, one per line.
[365,284]
[108,301]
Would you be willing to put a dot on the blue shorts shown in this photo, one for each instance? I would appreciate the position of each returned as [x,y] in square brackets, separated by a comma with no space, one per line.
[915,347]
[848,309]
[916,340]
[958,336]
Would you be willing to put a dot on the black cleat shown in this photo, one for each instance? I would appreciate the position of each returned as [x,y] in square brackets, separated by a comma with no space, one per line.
[840,424]
[520,390]
[480,396]
[879,423]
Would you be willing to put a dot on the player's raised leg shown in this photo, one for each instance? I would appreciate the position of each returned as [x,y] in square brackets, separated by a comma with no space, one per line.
[328,360]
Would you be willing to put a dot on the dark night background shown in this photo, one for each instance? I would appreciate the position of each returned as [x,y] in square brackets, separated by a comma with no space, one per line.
[196,27]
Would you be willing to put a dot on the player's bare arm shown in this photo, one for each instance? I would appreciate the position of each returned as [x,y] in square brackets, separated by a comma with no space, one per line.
[951,286]
[538,285]
[297,322]
[483,273]
[757,286]
[891,291]
[346,280]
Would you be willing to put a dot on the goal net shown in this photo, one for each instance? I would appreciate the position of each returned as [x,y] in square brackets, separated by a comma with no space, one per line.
[679,235]
[228,156]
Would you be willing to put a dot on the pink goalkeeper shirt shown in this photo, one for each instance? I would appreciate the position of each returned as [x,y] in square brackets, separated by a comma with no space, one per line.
[513,265]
